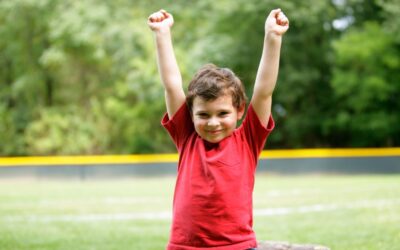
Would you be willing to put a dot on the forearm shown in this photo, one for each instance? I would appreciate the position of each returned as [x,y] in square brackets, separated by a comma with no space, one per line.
[267,73]
[167,64]
[160,23]
[169,72]
[275,26]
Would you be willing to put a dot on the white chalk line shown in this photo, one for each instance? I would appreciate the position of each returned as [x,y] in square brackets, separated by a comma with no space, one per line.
[326,207]
[105,201]
[167,215]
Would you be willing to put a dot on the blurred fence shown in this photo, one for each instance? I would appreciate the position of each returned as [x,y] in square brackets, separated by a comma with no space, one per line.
[301,161]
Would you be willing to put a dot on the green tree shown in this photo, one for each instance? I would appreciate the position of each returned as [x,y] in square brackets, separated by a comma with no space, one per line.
[366,85]
[24,86]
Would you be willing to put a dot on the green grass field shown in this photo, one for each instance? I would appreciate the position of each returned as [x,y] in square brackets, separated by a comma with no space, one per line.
[342,212]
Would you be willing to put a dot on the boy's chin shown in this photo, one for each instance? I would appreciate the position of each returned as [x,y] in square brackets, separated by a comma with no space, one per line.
[214,140]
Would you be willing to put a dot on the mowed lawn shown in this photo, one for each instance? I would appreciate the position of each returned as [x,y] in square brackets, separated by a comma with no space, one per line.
[342,212]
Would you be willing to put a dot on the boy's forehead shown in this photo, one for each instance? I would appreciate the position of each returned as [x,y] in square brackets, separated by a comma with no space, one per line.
[222,102]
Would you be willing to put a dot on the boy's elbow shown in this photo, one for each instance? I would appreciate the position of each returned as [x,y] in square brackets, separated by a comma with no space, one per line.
[171,81]
[262,94]
[174,89]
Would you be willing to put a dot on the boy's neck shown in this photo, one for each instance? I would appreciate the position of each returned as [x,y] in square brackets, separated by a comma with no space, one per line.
[210,145]
[214,145]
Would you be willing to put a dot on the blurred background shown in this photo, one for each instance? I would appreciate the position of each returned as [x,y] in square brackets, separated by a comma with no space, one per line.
[79,81]
[80,77]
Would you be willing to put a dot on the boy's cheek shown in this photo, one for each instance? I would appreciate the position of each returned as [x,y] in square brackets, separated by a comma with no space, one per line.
[197,125]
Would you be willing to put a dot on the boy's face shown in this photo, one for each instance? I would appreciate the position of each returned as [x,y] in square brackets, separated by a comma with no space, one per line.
[215,120]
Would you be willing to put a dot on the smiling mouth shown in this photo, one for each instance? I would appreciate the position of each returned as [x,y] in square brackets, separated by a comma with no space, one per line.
[214,132]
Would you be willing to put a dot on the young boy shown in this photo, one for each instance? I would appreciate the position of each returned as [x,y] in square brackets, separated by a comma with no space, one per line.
[212,207]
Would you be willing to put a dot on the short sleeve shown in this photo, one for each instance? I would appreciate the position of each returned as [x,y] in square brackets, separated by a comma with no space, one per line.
[255,132]
[179,127]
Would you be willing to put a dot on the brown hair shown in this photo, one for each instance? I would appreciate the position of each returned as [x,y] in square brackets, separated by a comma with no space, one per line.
[211,82]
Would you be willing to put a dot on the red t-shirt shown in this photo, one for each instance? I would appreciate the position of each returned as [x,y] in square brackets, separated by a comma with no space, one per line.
[213,206]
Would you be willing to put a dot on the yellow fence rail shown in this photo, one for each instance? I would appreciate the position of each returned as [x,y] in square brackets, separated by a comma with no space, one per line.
[171,158]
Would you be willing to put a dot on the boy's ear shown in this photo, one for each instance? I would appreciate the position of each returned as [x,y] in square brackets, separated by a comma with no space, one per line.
[241,110]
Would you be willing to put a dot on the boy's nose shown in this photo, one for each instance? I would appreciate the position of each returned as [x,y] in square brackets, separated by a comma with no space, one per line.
[212,122]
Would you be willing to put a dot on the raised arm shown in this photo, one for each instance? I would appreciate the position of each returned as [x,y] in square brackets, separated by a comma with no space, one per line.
[275,26]
[160,23]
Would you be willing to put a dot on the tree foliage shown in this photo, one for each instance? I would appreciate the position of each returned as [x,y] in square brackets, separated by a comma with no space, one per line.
[79,77]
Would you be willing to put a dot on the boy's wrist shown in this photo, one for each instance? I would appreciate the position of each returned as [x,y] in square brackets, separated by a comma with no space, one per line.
[272,38]
[163,31]
[162,34]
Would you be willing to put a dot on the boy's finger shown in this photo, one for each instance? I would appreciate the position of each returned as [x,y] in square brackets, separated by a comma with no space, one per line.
[280,15]
[274,12]
[166,14]
[154,17]
[159,17]
[151,18]
[282,29]
[283,21]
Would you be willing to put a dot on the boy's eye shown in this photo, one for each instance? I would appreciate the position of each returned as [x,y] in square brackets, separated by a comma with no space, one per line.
[203,115]
[224,113]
